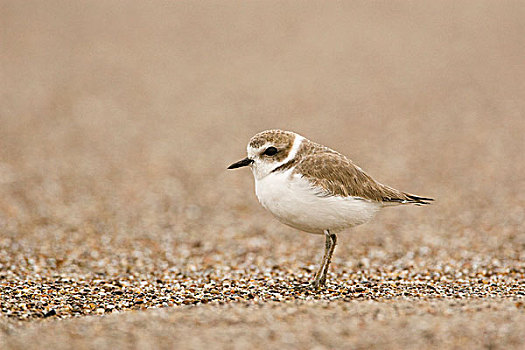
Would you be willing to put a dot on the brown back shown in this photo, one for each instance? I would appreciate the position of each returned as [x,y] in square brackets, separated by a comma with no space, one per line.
[336,175]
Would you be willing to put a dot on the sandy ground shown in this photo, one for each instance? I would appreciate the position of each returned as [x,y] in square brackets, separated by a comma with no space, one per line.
[117,121]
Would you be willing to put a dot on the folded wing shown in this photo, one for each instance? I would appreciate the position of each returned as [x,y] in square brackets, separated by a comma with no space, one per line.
[336,175]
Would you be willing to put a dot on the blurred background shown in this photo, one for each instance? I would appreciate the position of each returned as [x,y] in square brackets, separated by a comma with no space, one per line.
[118,120]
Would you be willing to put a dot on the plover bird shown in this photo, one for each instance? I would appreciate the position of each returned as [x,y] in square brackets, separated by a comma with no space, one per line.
[315,189]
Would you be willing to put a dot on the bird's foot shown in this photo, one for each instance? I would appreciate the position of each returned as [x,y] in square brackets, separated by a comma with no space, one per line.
[318,283]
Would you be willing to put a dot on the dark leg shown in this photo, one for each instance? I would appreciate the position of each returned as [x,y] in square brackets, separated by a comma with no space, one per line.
[333,238]
[330,243]
[318,274]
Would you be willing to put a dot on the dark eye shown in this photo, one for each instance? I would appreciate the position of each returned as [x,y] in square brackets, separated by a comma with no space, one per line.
[270,151]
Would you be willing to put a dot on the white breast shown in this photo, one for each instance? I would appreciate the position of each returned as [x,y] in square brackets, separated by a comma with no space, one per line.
[294,201]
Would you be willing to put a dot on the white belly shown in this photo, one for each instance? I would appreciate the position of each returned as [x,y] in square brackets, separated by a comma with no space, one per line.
[295,203]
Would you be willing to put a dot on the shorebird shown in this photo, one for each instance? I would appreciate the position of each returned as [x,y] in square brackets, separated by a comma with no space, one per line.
[315,189]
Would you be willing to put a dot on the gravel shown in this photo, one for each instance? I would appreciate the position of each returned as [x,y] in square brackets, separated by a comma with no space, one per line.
[66,296]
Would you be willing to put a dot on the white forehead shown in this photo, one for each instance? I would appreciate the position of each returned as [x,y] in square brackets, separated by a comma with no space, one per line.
[253,151]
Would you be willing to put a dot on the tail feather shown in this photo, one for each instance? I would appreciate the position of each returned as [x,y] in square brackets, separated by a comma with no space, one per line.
[419,200]
[408,198]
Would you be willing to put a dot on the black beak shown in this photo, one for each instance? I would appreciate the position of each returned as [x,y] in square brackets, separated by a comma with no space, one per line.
[244,162]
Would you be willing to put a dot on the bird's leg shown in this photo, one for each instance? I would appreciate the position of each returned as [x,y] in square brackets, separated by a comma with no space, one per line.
[330,242]
[333,239]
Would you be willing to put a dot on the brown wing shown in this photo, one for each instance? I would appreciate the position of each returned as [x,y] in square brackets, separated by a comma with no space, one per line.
[336,175]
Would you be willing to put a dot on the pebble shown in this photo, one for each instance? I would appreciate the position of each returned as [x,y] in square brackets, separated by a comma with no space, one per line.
[36,297]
